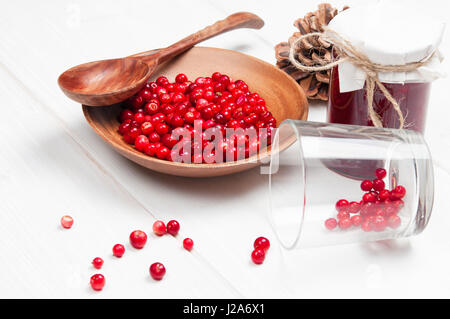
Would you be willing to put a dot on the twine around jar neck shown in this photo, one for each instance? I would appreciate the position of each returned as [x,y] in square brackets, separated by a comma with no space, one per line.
[348,52]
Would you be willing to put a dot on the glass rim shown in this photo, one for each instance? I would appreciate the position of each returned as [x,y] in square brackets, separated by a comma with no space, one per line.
[276,152]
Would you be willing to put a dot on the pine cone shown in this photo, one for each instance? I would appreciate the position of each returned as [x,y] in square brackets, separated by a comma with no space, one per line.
[312,51]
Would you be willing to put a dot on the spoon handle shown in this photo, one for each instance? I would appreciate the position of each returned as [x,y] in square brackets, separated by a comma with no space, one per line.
[234,21]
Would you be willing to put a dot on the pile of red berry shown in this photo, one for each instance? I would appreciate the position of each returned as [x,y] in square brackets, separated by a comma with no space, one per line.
[377,210]
[211,120]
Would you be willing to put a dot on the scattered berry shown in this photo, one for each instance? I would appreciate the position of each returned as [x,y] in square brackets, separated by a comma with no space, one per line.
[262,242]
[173,227]
[258,256]
[97,282]
[188,244]
[157,271]
[159,228]
[118,250]
[138,239]
[66,221]
[97,262]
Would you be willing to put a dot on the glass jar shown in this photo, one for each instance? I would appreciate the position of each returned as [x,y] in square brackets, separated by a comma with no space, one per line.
[351,107]
[387,33]
[307,181]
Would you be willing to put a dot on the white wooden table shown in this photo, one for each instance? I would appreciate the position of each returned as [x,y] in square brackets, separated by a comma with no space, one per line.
[52,164]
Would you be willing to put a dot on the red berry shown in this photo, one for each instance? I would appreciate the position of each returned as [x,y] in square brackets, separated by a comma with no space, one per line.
[97,262]
[366,185]
[356,220]
[262,242]
[367,209]
[216,76]
[354,207]
[390,210]
[163,152]
[173,227]
[379,223]
[181,78]
[124,127]
[384,194]
[345,223]
[258,256]
[343,215]
[399,204]
[126,115]
[141,142]
[138,239]
[139,118]
[159,228]
[394,221]
[162,80]
[378,185]
[97,282]
[380,173]
[154,137]
[380,212]
[118,250]
[341,204]
[151,107]
[366,226]
[398,193]
[147,128]
[145,94]
[162,128]
[369,198]
[188,244]
[66,221]
[151,149]
[157,271]
[165,98]
[331,223]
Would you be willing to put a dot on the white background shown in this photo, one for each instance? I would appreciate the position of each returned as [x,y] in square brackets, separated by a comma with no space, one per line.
[52,164]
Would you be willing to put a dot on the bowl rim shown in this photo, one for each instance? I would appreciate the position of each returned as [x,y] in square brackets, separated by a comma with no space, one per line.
[265,153]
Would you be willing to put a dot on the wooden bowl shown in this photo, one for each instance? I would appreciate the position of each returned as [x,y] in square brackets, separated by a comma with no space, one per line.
[284,98]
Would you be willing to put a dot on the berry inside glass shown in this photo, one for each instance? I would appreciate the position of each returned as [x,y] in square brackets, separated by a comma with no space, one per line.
[208,120]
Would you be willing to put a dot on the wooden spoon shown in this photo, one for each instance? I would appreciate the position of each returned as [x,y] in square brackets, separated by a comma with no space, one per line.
[111,81]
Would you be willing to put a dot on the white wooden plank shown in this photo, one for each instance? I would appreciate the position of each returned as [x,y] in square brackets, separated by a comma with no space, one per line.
[222,215]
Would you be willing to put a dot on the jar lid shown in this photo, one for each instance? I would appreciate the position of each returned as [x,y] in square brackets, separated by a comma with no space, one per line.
[389,34]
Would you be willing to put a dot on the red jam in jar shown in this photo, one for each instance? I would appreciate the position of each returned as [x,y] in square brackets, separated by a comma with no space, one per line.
[351,107]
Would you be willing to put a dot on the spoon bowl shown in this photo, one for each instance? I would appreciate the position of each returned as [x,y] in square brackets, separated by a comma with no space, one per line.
[106,81]
[284,98]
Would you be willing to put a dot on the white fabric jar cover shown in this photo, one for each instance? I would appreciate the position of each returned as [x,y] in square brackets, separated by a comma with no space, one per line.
[389,34]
